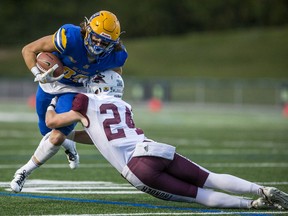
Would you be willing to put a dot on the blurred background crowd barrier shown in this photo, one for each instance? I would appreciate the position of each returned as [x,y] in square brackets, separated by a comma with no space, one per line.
[199,91]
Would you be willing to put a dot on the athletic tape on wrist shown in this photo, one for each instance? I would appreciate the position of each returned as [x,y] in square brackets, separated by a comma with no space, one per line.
[51,107]
[35,71]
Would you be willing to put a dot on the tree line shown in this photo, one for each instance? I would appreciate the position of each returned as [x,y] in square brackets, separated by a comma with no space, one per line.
[25,20]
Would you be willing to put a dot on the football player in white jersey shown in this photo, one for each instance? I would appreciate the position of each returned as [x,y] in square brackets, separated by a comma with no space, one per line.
[152,167]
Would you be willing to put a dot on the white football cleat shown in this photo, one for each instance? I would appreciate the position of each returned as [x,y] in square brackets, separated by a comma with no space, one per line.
[278,198]
[262,203]
[73,159]
[17,183]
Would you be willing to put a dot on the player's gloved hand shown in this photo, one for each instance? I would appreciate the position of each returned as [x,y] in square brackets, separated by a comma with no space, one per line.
[84,81]
[47,77]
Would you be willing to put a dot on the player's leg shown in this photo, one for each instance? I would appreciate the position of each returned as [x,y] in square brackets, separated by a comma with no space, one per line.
[152,172]
[43,100]
[45,148]
[197,175]
[213,198]
[238,185]
[222,200]
[64,104]
[44,152]
[148,174]
[230,184]
[191,172]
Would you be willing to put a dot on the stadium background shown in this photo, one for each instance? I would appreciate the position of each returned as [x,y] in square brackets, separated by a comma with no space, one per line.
[231,52]
[220,66]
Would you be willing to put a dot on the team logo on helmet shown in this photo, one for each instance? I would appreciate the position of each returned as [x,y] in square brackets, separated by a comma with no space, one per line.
[108,82]
[106,35]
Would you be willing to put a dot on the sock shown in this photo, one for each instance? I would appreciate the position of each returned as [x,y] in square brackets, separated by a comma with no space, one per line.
[212,198]
[231,184]
[69,145]
[45,150]
[30,166]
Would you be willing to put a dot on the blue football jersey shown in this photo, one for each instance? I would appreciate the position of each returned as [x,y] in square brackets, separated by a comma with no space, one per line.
[73,54]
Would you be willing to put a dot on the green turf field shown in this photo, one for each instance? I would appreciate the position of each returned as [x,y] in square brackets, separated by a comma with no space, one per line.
[250,142]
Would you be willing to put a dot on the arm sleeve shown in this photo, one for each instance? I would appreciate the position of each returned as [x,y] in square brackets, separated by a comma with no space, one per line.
[80,104]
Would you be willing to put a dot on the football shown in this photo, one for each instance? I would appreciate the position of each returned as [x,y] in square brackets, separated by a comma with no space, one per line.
[46,60]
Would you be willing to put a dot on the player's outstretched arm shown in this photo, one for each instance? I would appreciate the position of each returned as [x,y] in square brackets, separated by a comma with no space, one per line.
[54,120]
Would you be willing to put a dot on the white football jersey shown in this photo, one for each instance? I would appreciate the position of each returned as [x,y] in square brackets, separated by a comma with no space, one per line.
[112,129]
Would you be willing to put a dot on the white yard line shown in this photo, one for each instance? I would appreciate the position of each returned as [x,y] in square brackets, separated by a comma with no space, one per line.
[18,117]
[84,187]
[60,187]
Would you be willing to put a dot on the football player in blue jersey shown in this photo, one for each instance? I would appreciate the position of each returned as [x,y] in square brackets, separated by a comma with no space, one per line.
[84,50]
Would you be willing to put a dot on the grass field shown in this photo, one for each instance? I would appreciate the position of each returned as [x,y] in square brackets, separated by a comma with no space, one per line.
[250,142]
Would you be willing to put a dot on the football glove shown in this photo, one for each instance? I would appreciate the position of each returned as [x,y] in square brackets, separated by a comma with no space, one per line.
[47,77]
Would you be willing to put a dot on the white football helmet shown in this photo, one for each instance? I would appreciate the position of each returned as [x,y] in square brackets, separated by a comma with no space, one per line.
[108,82]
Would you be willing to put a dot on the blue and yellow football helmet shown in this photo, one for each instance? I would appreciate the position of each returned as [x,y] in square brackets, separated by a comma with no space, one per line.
[102,33]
